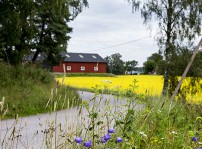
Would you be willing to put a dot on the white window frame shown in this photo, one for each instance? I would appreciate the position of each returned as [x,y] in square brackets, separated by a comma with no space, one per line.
[81,56]
[83,68]
[69,68]
[94,56]
[96,68]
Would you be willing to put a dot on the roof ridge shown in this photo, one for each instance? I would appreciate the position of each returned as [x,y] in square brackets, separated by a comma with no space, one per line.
[81,53]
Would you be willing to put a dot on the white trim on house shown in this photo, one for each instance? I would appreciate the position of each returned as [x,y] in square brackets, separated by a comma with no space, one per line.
[69,68]
[96,68]
[83,68]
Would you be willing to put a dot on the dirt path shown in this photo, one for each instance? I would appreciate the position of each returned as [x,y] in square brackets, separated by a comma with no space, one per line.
[30,132]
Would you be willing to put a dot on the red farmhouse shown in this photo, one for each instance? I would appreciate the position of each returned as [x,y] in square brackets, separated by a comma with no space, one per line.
[81,63]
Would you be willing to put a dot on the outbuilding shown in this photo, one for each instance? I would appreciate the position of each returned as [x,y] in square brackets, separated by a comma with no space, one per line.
[81,63]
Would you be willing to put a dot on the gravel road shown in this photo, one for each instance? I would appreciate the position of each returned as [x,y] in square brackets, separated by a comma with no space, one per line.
[30,132]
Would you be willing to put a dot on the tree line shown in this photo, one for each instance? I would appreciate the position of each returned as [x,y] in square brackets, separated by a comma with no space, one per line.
[155,63]
[116,65]
[39,25]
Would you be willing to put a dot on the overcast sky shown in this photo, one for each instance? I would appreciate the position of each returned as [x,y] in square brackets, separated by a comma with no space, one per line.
[111,22]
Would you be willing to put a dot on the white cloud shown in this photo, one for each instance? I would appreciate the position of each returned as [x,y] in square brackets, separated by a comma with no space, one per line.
[110,22]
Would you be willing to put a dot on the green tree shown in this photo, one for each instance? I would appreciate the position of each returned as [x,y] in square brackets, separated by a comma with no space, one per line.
[182,56]
[130,66]
[52,19]
[109,66]
[52,31]
[193,84]
[158,63]
[115,64]
[39,25]
[149,66]
[179,23]
[16,29]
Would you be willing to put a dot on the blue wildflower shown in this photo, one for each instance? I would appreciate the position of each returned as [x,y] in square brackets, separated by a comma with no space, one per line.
[103,140]
[195,139]
[88,144]
[78,140]
[107,137]
[111,130]
[118,139]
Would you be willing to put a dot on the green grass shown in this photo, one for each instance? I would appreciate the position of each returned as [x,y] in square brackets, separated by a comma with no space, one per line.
[85,74]
[161,124]
[29,90]
[165,124]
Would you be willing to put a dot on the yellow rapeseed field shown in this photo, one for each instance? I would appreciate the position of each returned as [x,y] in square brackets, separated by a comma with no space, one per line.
[147,84]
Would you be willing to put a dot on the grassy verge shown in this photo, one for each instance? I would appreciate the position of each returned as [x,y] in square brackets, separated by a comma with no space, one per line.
[28,90]
[162,123]
[85,74]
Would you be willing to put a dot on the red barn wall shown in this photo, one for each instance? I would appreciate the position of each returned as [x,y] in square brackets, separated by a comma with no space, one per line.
[76,67]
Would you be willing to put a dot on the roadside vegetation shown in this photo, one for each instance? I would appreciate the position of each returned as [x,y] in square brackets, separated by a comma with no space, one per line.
[160,123]
[28,90]
[136,122]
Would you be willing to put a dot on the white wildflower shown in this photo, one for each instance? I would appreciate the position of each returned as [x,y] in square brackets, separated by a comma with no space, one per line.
[142,133]
[106,81]
[173,132]
[2,104]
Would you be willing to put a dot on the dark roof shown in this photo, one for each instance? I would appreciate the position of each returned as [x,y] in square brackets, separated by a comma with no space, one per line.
[70,57]
[82,57]
[29,57]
